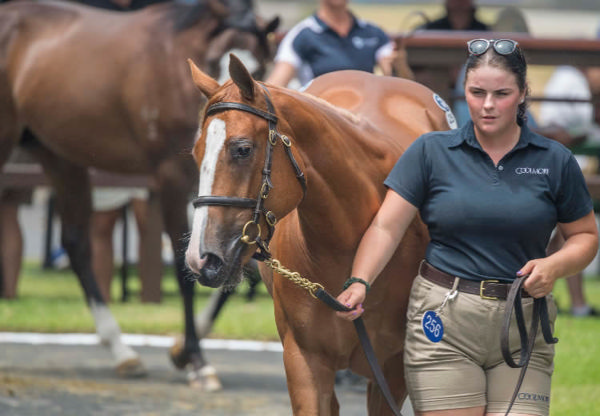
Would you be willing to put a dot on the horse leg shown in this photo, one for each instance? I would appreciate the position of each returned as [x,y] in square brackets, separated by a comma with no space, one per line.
[174,189]
[394,375]
[9,135]
[310,381]
[73,200]
[206,319]
[252,274]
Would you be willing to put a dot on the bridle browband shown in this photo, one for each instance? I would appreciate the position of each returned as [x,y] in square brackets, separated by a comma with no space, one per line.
[266,186]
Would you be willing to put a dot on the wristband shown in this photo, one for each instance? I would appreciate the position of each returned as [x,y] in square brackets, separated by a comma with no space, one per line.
[348,282]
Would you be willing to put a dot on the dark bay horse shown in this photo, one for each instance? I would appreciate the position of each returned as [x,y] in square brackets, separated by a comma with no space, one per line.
[316,162]
[93,88]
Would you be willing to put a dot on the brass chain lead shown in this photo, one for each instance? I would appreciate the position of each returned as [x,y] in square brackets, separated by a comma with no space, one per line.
[294,277]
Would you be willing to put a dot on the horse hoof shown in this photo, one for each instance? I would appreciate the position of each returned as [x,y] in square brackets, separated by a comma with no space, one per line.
[178,359]
[131,368]
[204,379]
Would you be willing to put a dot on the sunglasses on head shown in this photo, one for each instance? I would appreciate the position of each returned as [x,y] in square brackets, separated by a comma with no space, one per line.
[501,46]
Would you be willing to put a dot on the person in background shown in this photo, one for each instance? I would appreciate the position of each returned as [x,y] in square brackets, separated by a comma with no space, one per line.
[332,39]
[11,236]
[577,122]
[490,193]
[11,239]
[109,206]
[460,15]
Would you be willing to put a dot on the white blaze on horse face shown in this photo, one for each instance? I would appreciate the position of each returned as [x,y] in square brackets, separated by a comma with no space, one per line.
[215,139]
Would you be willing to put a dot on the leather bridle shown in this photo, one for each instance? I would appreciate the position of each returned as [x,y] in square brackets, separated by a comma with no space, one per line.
[259,203]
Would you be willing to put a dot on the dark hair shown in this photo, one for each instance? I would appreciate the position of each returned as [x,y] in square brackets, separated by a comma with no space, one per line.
[513,62]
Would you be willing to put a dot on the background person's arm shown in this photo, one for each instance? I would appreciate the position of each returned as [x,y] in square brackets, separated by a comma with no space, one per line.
[282,74]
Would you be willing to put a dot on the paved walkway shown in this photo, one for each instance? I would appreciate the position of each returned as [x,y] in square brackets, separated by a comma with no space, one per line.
[77,380]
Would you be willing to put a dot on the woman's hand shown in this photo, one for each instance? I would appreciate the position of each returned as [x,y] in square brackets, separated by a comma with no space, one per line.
[541,277]
[579,249]
[353,298]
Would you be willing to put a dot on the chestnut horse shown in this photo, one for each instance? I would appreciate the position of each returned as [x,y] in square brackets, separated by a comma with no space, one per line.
[111,90]
[324,183]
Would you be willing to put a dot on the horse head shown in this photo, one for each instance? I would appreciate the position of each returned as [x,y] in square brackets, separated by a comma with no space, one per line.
[242,33]
[250,175]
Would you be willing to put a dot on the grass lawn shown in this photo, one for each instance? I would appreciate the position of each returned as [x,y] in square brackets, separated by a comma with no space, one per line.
[51,301]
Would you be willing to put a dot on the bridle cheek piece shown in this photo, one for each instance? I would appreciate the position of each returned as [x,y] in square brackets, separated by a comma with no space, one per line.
[253,226]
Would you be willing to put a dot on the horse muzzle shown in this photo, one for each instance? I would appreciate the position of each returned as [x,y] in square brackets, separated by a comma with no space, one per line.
[213,270]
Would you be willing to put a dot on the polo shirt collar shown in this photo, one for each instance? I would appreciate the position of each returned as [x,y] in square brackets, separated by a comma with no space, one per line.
[324,26]
[466,134]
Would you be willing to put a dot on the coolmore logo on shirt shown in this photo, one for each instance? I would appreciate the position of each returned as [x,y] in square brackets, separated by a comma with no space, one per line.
[532,171]
[360,43]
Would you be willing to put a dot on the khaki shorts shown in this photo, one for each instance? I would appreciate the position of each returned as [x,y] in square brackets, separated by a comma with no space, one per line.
[466,368]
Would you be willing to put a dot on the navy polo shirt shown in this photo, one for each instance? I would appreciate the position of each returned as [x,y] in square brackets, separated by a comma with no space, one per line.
[486,221]
[314,49]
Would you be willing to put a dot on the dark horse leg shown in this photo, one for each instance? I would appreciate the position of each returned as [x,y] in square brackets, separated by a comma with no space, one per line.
[174,190]
[72,186]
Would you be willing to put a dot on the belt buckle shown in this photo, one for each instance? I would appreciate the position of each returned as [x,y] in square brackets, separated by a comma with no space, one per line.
[481,287]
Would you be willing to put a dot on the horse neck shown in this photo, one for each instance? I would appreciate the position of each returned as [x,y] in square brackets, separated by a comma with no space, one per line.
[346,161]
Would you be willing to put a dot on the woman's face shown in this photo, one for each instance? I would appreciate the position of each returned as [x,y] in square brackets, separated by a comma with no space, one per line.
[335,3]
[493,97]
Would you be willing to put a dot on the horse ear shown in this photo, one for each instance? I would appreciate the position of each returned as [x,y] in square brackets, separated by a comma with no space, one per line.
[241,77]
[272,26]
[207,85]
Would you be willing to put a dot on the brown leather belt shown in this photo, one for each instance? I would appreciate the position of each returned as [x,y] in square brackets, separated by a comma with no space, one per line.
[486,289]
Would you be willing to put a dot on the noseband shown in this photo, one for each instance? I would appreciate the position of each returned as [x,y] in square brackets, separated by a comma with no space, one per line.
[266,186]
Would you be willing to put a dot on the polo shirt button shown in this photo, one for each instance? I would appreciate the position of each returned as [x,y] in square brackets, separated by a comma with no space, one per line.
[500,167]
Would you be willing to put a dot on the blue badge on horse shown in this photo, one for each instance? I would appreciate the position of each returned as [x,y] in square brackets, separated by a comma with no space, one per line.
[432,326]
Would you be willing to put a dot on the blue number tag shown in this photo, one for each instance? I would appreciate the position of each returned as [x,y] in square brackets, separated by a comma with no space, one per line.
[432,326]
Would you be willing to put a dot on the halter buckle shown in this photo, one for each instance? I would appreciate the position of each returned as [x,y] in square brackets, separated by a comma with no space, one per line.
[264,190]
[286,140]
[272,137]
[271,218]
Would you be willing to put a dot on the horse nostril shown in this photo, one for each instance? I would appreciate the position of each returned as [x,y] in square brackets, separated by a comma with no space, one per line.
[212,263]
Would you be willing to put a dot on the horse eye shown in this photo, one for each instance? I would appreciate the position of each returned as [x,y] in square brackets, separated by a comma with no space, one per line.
[241,150]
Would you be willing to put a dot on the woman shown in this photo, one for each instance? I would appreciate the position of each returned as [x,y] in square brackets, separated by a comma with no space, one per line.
[330,40]
[491,194]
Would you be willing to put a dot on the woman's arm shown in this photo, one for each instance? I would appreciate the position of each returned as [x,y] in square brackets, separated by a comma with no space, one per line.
[282,74]
[376,247]
[579,249]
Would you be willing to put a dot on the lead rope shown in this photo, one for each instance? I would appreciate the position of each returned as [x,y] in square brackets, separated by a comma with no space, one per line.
[539,315]
[317,291]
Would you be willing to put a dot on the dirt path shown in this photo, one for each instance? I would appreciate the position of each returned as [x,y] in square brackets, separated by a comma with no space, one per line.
[51,380]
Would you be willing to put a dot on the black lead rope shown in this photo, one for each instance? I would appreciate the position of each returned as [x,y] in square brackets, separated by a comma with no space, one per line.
[539,316]
[366,346]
